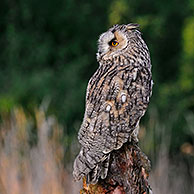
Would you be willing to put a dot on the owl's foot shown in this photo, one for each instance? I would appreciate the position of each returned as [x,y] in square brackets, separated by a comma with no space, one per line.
[134,135]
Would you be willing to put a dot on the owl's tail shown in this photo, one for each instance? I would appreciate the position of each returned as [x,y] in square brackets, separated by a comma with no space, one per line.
[84,165]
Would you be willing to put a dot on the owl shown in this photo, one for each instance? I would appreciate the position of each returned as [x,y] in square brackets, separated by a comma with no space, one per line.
[117,97]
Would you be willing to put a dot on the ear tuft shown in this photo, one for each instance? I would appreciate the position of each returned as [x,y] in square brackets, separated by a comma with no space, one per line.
[132,26]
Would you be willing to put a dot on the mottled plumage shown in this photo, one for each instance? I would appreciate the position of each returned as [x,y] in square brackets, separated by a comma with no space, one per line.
[117,97]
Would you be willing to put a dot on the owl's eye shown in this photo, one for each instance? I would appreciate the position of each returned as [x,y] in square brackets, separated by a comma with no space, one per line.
[114,43]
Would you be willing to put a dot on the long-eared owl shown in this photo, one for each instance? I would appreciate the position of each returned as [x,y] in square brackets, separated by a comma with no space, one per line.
[117,97]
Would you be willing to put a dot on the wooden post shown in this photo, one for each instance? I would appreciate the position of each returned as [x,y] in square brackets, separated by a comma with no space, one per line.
[128,173]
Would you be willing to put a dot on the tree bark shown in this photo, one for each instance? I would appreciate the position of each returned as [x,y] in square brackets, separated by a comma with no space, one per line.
[128,173]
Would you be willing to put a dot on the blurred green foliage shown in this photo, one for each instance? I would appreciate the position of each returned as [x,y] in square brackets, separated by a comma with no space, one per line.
[48,52]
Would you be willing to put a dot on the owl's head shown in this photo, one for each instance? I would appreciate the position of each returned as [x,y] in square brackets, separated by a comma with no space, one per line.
[115,40]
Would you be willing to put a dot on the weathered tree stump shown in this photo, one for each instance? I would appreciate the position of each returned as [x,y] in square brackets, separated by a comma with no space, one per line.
[128,173]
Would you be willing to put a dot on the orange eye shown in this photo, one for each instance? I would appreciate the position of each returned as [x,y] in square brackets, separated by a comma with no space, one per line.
[114,43]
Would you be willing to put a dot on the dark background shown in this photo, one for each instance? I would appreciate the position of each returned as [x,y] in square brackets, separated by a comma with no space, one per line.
[48,55]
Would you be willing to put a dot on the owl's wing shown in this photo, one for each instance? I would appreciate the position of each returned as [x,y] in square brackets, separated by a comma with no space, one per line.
[115,102]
